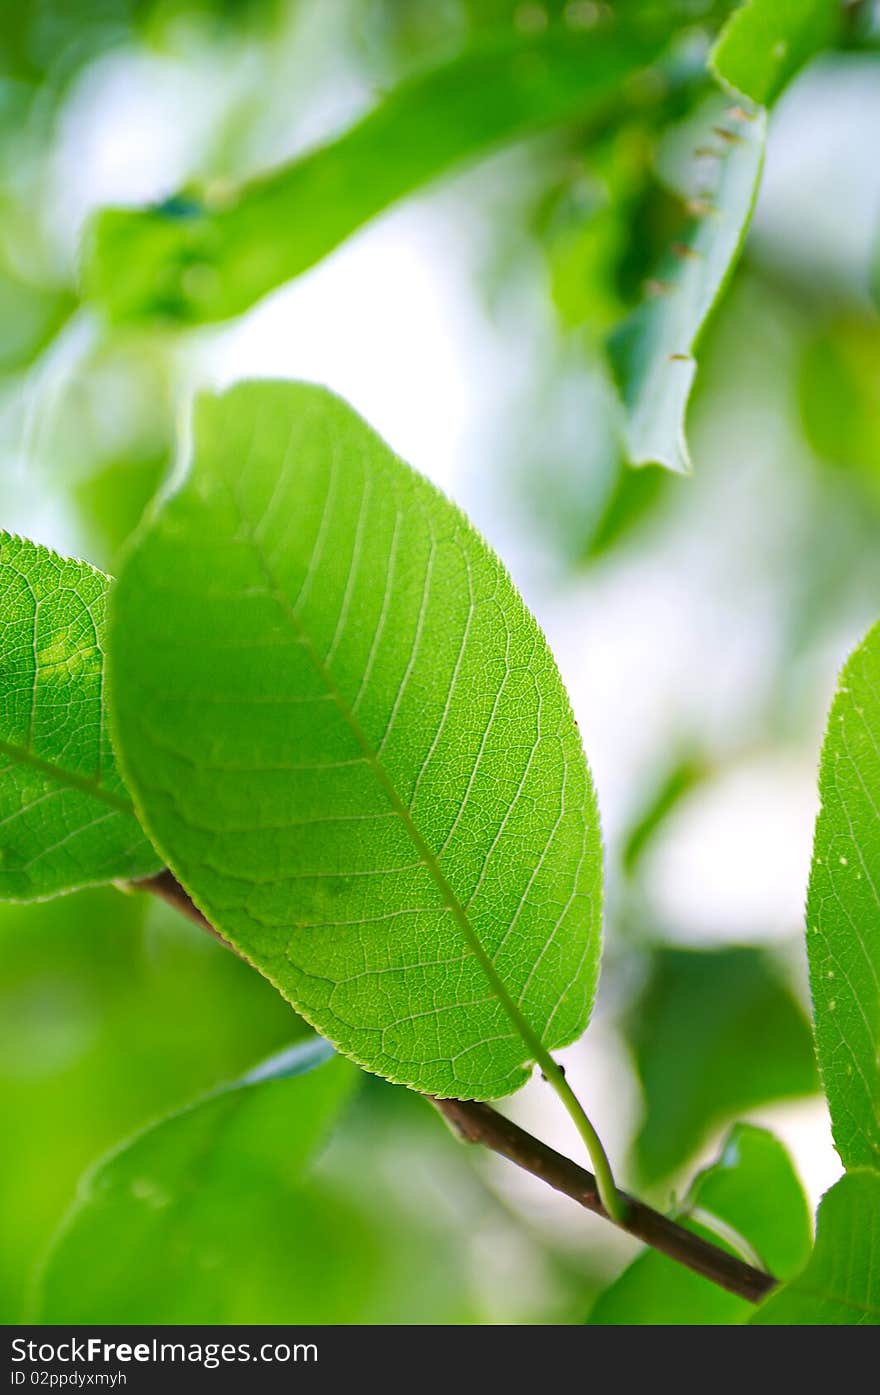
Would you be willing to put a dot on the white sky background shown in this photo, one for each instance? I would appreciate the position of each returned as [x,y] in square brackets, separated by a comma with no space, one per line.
[660,638]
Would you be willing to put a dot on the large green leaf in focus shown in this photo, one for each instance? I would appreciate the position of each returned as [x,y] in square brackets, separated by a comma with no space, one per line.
[843,910]
[765,42]
[750,1194]
[715,1033]
[841,1284]
[351,743]
[207,1216]
[193,260]
[66,820]
[653,351]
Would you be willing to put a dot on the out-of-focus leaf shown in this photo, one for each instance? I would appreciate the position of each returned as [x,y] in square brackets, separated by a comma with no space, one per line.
[572,483]
[354,748]
[190,261]
[631,499]
[716,1032]
[55,38]
[766,42]
[29,317]
[587,222]
[609,217]
[113,1012]
[839,403]
[678,781]
[312,1223]
[653,352]
[750,1194]
[205,1216]
[112,499]
[841,1284]
[843,910]
[115,407]
[66,820]
[581,260]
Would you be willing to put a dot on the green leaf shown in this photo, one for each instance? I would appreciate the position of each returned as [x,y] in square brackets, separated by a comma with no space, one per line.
[716,1032]
[653,351]
[677,781]
[837,396]
[633,497]
[750,1194]
[114,1011]
[66,820]
[352,745]
[765,42]
[29,317]
[111,500]
[194,261]
[207,1216]
[841,1284]
[843,910]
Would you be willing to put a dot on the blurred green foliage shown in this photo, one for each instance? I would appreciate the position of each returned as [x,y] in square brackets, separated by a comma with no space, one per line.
[216,1215]
[115,1011]
[838,398]
[175,1212]
[715,1033]
[195,259]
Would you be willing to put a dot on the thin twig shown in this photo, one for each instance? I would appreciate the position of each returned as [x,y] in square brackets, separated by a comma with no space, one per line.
[479,1123]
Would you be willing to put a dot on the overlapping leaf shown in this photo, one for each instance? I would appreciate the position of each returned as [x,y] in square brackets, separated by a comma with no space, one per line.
[206,1217]
[841,1284]
[765,42]
[843,910]
[66,820]
[352,745]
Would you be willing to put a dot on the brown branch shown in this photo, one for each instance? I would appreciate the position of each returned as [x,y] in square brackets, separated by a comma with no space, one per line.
[166,886]
[479,1123]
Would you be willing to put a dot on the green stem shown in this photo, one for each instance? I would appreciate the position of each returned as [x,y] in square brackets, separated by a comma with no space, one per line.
[610,1197]
[555,1077]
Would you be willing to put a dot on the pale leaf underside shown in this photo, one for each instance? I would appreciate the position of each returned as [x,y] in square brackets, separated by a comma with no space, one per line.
[653,351]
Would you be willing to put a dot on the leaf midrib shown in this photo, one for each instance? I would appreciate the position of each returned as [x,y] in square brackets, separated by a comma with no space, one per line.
[371,756]
[69,778]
